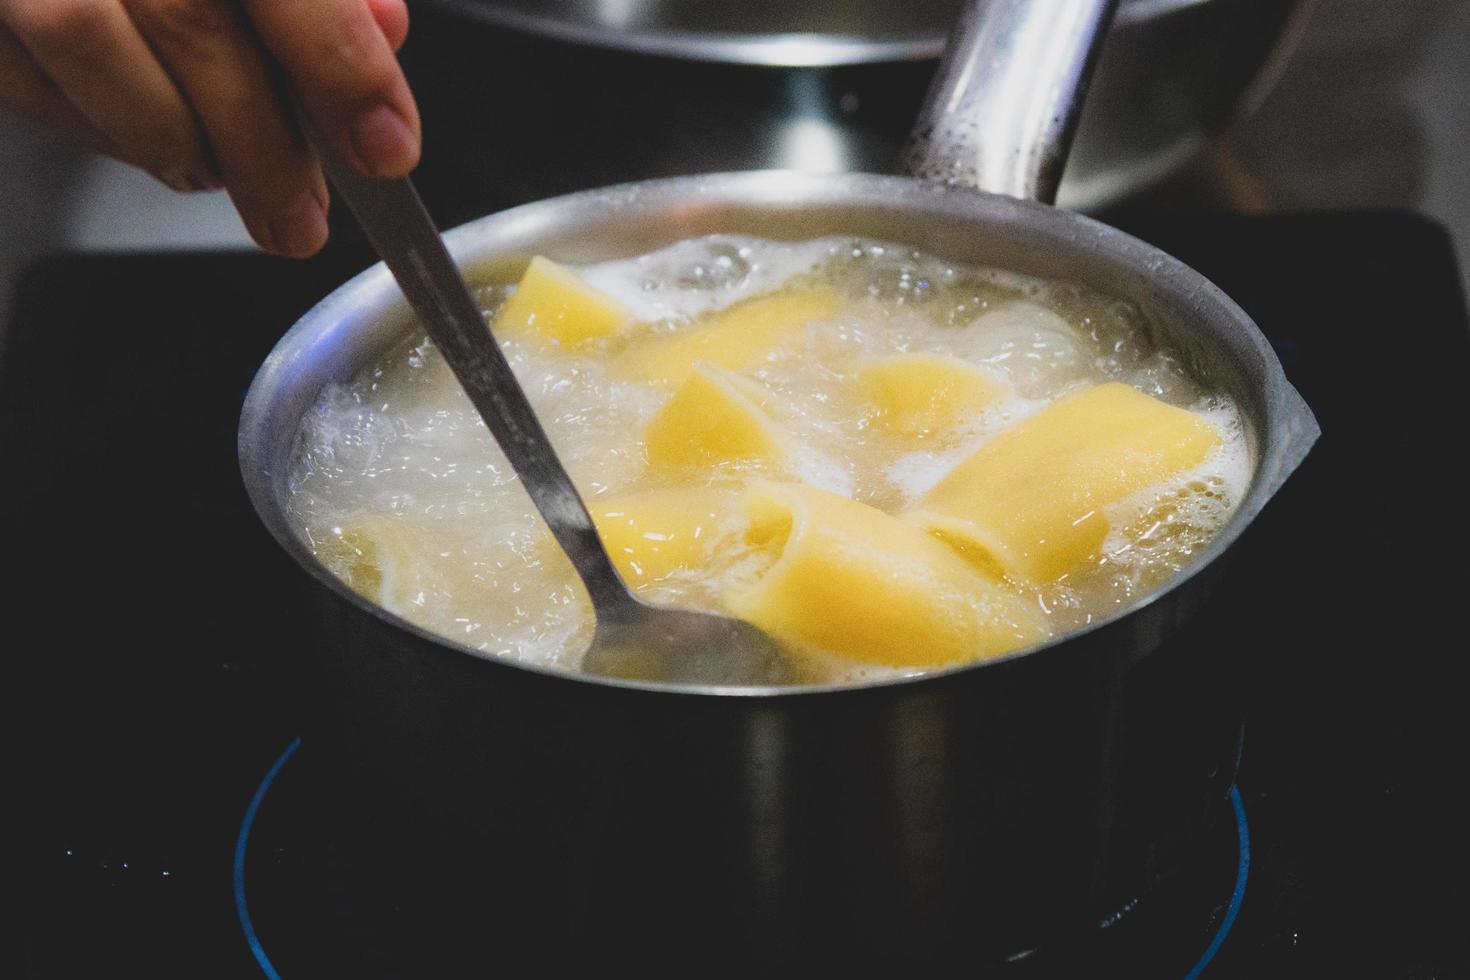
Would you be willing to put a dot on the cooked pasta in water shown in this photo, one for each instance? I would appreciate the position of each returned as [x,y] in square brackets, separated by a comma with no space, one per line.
[888,462]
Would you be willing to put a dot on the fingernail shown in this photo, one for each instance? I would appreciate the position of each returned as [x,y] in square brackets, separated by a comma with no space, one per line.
[384,142]
[300,228]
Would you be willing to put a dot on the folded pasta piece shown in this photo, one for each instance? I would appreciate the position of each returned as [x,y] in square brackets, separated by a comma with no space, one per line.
[850,580]
[1029,503]
[918,396]
[714,419]
[393,562]
[650,534]
[552,302]
[734,338]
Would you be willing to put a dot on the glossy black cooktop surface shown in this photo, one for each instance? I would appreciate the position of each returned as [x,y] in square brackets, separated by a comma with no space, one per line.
[153,632]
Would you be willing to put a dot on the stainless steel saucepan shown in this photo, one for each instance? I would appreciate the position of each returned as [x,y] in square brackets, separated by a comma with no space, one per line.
[985,810]
[830,84]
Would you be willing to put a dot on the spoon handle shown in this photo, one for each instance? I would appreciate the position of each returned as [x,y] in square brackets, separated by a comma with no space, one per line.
[401,230]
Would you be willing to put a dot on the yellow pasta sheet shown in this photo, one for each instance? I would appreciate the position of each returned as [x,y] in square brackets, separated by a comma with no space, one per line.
[398,564]
[919,396]
[735,338]
[552,302]
[848,579]
[715,419]
[1029,503]
[652,534]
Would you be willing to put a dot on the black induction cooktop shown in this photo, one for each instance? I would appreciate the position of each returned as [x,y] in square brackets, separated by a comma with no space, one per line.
[153,633]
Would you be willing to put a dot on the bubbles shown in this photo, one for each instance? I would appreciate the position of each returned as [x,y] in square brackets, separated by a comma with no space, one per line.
[1160,531]
[401,490]
[1163,378]
[1031,345]
[703,274]
[901,279]
[724,266]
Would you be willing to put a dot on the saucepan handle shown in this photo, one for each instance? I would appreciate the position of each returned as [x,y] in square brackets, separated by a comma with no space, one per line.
[1003,106]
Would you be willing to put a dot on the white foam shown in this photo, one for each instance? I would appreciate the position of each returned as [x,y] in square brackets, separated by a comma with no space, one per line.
[915,474]
[1163,527]
[821,470]
[698,275]
[1030,345]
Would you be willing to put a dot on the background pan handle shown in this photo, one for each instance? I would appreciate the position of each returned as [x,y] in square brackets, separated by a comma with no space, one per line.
[1004,104]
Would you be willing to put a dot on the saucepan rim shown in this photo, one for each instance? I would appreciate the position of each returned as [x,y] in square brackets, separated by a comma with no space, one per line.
[733,47]
[1284,427]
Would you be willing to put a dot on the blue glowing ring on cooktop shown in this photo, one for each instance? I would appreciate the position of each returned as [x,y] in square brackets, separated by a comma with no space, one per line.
[242,840]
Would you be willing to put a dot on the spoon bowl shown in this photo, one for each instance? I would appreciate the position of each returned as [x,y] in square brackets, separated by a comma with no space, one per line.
[642,642]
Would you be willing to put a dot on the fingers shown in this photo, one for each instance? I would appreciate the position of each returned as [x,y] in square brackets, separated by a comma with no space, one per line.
[340,65]
[392,19]
[92,52]
[211,51]
[25,88]
[191,91]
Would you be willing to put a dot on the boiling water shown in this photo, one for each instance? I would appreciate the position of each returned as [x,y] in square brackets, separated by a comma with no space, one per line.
[400,490]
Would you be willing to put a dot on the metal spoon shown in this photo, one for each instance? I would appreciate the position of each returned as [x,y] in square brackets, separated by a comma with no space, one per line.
[633,639]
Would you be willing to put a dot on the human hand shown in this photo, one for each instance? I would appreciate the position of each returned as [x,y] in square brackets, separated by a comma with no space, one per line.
[193,91]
